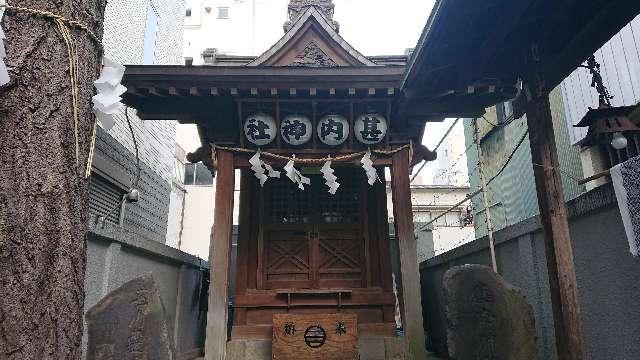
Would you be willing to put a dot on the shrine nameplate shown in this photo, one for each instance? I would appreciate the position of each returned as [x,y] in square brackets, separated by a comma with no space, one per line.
[315,337]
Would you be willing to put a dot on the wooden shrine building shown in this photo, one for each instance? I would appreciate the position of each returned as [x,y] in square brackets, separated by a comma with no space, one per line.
[314,242]
[309,242]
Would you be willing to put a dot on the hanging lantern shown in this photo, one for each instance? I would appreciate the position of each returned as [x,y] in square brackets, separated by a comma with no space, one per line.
[260,129]
[333,129]
[608,125]
[370,128]
[296,129]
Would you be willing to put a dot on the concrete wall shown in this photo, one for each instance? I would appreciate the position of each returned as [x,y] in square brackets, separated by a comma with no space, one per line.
[115,256]
[607,277]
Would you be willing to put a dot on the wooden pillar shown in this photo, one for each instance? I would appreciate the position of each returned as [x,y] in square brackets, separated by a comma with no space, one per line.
[553,214]
[219,259]
[407,245]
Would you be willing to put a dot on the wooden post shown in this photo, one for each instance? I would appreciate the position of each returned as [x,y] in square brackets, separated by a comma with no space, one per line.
[219,259]
[407,245]
[553,214]
[485,198]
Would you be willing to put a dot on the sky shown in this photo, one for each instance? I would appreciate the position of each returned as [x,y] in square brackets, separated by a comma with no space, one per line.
[374,27]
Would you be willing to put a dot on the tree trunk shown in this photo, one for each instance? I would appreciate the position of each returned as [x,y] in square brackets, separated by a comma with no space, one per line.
[43,193]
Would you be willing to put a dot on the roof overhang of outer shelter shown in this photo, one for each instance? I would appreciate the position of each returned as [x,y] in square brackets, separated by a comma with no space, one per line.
[468,45]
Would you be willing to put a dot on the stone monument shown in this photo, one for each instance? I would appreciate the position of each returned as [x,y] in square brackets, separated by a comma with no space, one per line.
[130,323]
[487,318]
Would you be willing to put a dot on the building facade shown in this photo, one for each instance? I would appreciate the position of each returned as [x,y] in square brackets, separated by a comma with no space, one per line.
[620,69]
[230,27]
[512,194]
[451,166]
[153,33]
[453,229]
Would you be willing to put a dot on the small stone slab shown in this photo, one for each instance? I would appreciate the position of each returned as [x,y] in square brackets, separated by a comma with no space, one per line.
[129,323]
[315,337]
[487,317]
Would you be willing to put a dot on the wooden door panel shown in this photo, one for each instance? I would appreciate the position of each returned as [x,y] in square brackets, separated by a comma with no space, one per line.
[287,262]
[312,239]
[340,260]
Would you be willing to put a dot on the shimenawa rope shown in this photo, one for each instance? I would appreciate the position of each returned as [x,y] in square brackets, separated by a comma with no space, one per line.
[298,160]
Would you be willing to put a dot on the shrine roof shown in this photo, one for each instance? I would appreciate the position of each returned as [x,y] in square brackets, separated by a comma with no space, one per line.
[241,60]
[311,60]
[165,83]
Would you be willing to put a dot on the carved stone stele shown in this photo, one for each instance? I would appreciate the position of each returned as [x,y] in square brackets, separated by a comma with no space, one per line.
[487,317]
[130,323]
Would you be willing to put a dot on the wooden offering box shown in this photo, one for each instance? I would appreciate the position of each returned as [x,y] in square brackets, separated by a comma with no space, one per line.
[315,337]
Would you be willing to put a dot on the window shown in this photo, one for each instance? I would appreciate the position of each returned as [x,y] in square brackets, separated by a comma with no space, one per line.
[150,36]
[223,13]
[450,219]
[197,174]
[187,12]
[188,61]
[105,199]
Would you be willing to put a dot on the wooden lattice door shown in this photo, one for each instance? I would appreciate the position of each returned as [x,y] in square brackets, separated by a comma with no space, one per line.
[312,239]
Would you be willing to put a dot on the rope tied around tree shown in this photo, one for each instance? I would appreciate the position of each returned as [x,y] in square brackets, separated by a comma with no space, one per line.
[63,26]
[56,18]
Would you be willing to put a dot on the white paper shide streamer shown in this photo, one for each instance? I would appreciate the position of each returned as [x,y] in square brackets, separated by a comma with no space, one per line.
[261,170]
[4,74]
[367,165]
[108,100]
[327,174]
[295,175]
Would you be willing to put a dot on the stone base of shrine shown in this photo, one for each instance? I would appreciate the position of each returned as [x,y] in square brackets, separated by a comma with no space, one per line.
[370,348]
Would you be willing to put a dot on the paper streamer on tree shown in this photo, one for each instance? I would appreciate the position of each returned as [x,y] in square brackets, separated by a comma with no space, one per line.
[327,174]
[295,175]
[258,166]
[367,165]
[108,100]
[4,74]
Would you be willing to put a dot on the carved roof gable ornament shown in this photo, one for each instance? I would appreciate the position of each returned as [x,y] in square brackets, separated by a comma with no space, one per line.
[313,56]
[311,26]
[298,7]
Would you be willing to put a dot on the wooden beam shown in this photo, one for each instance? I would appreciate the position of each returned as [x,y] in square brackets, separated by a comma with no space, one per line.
[557,239]
[219,255]
[407,245]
